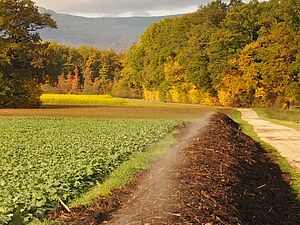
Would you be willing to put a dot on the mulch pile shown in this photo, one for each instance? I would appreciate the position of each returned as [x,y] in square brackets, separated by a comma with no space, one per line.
[225,178]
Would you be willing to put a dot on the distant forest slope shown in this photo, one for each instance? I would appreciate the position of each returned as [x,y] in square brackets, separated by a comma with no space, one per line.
[103,33]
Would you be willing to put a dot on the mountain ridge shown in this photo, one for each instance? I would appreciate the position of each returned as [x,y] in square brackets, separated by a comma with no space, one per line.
[117,33]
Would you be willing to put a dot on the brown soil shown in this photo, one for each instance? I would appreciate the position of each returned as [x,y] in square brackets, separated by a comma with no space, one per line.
[221,177]
[112,112]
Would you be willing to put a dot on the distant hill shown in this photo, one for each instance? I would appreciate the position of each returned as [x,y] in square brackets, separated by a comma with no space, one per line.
[104,33]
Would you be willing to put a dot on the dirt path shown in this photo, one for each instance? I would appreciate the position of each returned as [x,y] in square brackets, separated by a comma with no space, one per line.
[155,199]
[286,140]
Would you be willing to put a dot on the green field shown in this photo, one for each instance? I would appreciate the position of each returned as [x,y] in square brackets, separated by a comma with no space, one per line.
[48,160]
[77,147]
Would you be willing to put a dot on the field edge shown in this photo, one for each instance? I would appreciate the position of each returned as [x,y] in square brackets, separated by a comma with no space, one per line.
[126,171]
[264,115]
[123,175]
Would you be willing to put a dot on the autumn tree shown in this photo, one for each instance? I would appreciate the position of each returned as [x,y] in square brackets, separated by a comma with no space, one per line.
[88,83]
[76,87]
[62,84]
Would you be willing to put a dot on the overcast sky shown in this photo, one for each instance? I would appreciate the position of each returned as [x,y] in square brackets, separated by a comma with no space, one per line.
[94,8]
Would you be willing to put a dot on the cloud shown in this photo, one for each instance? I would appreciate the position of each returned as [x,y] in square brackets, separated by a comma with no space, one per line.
[120,7]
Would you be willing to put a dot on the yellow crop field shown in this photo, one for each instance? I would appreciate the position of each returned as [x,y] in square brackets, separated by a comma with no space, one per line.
[65,99]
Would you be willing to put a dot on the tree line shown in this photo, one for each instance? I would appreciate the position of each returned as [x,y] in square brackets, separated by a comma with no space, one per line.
[83,70]
[235,54]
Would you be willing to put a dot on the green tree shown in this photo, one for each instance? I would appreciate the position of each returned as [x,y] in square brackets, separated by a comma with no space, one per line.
[20,67]
[207,21]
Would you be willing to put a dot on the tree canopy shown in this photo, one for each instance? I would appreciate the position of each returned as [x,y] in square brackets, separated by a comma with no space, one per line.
[21,67]
[236,54]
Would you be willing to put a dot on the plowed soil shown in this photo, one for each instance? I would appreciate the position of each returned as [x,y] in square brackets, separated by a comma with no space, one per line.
[220,176]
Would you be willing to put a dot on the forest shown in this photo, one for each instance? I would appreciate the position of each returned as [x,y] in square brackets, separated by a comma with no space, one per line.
[235,54]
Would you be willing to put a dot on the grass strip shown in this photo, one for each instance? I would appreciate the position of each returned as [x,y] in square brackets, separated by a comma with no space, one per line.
[284,165]
[287,118]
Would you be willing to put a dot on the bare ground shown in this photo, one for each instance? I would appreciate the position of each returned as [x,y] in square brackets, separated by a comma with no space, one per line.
[220,176]
[112,112]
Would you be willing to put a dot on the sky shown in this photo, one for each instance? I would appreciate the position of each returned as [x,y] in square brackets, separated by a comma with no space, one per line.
[123,8]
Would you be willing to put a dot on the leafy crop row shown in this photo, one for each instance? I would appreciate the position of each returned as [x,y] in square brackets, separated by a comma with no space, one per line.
[45,160]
